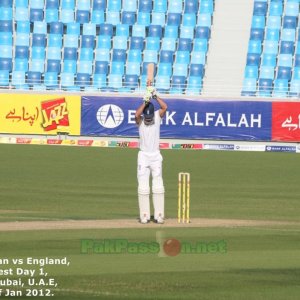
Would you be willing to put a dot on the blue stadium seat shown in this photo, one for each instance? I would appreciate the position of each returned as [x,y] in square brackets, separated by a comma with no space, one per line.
[268,60]
[206,6]
[21,14]
[143,18]
[196,70]
[67,81]
[249,87]
[198,58]
[71,40]
[139,30]
[152,43]
[182,57]
[101,67]
[6,3]
[51,15]
[257,34]
[70,53]
[289,22]
[164,69]
[160,6]
[104,42]
[6,39]
[83,80]
[275,8]
[69,66]
[99,5]
[251,72]
[200,45]
[117,67]
[66,16]
[86,54]
[21,3]
[265,87]
[145,6]
[37,3]
[37,65]
[23,27]
[36,14]
[297,60]
[97,17]
[6,51]
[288,34]
[6,13]
[258,22]
[122,30]
[294,88]
[129,5]
[168,44]
[22,39]
[171,32]
[5,64]
[191,6]
[291,8]
[33,78]
[180,69]
[284,72]
[53,65]
[175,6]
[115,81]
[56,28]
[134,55]
[285,60]
[194,86]
[186,32]
[272,34]
[133,68]
[202,32]
[270,47]
[22,52]
[54,40]
[280,88]
[166,56]
[18,79]
[150,56]
[204,20]
[82,16]
[83,5]
[38,53]
[254,46]
[184,44]
[89,29]
[120,42]
[114,5]
[260,8]
[136,42]
[162,83]
[88,41]
[67,4]
[112,17]
[296,73]
[274,22]
[99,80]
[178,84]
[128,17]
[4,78]
[52,3]
[267,72]
[20,64]
[131,81]
[253,59]
[54,53]
[5,26]
[158,18]
[155,31]
[40,27]
[174,19]
[287,47]
[73,28]
[106,29]
[119,55]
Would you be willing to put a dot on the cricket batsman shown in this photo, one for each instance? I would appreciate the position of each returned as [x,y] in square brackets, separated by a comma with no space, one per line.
[149,157]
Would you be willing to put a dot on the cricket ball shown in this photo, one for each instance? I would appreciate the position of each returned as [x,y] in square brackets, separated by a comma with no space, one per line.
[172,247]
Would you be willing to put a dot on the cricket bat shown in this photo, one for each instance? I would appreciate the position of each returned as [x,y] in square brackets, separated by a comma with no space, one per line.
[150,74]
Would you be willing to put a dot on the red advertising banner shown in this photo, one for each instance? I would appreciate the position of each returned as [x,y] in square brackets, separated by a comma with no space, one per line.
[286,121]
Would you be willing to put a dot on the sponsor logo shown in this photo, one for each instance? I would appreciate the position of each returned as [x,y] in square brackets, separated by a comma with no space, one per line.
[281,148]
[110,116]
[219,146]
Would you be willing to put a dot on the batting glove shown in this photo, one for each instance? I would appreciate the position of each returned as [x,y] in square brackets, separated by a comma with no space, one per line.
[154,94]
[147,97]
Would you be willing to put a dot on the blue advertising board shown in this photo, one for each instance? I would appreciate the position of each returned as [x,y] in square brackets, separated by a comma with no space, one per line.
[186,119]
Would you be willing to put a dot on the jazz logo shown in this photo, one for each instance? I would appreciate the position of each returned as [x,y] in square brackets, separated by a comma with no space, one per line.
[55,114]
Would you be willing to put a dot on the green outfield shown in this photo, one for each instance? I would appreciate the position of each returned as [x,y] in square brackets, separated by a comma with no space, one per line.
[76,183]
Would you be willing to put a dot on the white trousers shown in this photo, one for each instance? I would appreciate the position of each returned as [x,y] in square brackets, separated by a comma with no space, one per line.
[150,164]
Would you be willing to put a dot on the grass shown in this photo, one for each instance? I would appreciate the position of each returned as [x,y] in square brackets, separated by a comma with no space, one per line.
[56,183]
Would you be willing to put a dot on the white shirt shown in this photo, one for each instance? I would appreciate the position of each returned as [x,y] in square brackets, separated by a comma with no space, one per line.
[150,135]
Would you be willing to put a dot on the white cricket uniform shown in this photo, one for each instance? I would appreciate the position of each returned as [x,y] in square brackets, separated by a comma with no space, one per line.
[150,162]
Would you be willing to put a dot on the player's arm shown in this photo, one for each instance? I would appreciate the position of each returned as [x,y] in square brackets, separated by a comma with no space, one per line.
[163,105]
[139,112]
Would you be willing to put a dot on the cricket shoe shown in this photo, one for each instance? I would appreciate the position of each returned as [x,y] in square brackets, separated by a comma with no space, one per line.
[160,220]
[144,221]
